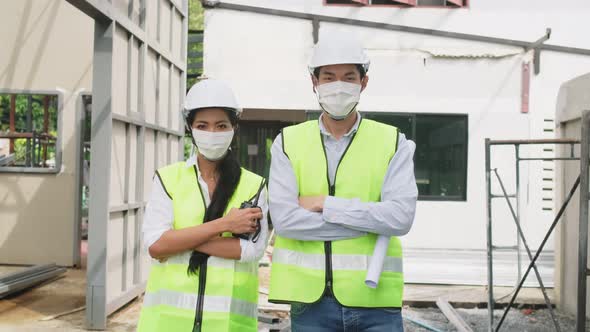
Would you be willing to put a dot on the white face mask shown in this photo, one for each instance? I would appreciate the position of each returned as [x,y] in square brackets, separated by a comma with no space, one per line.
[212,145]
[339,98]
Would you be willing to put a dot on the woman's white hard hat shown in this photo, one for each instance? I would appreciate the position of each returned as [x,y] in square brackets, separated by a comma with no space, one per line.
[210,93]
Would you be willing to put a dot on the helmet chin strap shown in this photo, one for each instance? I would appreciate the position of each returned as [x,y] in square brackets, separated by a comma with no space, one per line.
[189,129]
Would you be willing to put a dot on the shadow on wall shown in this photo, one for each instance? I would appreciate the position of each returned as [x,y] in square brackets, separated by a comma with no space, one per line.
[37,210]
[22,35]
[34,207]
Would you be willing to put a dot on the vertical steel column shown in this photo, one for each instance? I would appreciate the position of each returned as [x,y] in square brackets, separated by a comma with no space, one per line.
[518,214]
[100,174]
[140,144]
[583,223]
[489,239]
[183,78]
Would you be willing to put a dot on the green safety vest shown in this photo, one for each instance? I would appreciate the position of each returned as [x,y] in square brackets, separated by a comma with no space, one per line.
[302,271]
[226,290]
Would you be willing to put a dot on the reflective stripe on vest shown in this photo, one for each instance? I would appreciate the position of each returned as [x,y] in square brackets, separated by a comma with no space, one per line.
[188,301]
[339,261]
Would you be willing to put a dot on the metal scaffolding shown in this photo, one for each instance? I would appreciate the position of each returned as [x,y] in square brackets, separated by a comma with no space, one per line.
[516,216]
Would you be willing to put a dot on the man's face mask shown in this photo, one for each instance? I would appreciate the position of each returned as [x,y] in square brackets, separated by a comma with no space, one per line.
[338,98]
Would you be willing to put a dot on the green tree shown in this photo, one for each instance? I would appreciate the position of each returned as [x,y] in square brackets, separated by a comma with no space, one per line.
[22,104]
[195,15]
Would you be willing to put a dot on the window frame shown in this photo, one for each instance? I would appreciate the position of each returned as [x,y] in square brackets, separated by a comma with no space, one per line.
[464,116]
[397,4]
[58,142]
[463,197]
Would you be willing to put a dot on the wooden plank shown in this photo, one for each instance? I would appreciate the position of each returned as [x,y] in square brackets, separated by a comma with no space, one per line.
[26,135]
[453,316]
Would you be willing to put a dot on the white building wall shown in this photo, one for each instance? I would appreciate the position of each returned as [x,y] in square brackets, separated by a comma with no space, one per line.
[264,58]
[46,45]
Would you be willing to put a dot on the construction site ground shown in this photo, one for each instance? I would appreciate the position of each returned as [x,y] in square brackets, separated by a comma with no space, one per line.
[35,308]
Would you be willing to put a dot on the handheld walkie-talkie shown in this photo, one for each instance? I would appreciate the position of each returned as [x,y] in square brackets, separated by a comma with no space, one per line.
[252,203]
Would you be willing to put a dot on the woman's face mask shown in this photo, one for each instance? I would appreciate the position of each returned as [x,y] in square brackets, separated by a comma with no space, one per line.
[212,145]
[338,98]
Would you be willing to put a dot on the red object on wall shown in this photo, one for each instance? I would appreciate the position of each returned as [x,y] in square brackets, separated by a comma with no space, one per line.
[458,3]
[526,85]
[405,2]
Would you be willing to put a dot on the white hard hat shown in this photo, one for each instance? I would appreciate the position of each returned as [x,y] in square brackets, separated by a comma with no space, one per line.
[210,93]
[338,48]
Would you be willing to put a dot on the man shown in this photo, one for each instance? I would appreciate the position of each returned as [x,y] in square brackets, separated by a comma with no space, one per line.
[336,184]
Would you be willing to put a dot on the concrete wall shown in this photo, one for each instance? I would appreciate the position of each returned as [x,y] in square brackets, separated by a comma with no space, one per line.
[573,99]
[264,58]
[46,45]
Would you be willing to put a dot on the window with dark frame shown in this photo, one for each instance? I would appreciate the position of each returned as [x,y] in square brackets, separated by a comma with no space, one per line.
[28,131]
[401,3]
[440,159]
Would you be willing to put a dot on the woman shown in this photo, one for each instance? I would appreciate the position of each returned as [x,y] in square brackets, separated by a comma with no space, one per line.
[201,281]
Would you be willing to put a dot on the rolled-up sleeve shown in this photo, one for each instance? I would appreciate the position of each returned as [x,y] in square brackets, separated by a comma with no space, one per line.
[253,251]
[159,214]
[394,215]
[288,218]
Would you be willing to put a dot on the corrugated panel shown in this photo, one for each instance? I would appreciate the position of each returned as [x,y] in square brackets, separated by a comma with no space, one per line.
[473,52]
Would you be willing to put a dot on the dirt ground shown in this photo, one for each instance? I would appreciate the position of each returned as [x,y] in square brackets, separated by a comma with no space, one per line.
[26,311]
[523,320]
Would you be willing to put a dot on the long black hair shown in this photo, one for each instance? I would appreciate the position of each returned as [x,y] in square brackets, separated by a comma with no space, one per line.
[229,173]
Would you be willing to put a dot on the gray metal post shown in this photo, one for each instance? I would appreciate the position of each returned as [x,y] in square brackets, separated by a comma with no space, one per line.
[489,239]
[518,214]
[583,223]
[101,131]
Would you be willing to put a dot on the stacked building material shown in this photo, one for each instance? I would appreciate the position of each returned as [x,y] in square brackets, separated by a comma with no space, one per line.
[29,277]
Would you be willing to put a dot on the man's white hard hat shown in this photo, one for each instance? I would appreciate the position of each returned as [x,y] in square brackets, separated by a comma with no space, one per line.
[338,48]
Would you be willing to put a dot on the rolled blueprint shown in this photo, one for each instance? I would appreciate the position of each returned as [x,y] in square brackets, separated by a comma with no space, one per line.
[376,262]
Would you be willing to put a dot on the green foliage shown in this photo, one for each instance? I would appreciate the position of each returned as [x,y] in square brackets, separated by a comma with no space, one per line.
[21,110]
[195,15]
[196,23]
[187,147]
